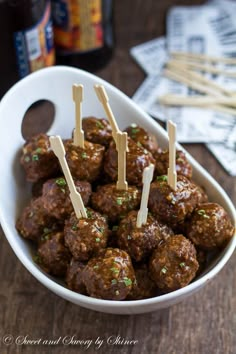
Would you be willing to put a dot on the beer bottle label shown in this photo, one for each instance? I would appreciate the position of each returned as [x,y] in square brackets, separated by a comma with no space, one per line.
[77,24]
[34,46]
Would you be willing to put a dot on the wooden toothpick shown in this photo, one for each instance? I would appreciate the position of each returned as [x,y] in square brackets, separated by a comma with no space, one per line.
[78,98]
[77,202]
[172,176]
[103,98]
[143,211]
[121,147]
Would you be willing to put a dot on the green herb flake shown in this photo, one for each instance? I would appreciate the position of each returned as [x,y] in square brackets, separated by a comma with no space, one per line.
[117,292]
[139,144]
[38,150]
[45,238]
[164,270]
[46,231]
[114,281]
[98,239]
[162,178]
[84,155]
[74,227]
[203,213]
[115,270]
[89,214]
[99,125]
[95,267]
[37,259]
[182,264]
[119,200]
[27,159]
[127,281]
[129,237]
[134,131]
[35,157]
[61,182]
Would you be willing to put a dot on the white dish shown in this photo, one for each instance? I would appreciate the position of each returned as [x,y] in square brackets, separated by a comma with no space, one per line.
[55,84]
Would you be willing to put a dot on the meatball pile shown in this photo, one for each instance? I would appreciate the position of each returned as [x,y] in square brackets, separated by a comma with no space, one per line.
[106,255]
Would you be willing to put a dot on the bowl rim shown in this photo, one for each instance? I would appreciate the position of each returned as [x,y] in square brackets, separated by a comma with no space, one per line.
[99,303]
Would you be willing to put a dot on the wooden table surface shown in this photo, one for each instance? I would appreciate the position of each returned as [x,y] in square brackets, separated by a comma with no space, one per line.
[204,323]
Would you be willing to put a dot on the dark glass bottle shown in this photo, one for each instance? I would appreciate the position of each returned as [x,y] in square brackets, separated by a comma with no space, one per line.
[83,32]
[26,39]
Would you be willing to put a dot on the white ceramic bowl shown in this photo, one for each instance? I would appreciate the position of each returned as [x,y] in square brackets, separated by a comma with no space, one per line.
[55,84]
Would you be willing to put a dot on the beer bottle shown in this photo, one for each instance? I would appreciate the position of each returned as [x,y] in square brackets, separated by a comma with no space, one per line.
[83,32]
[26,39]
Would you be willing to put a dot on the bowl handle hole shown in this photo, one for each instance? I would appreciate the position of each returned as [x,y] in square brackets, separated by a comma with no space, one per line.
[38,118]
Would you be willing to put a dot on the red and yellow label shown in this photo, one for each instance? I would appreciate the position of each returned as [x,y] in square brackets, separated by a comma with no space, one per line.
[78,24]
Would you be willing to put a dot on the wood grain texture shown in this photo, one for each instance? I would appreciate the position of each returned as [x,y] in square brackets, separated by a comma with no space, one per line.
[203,324]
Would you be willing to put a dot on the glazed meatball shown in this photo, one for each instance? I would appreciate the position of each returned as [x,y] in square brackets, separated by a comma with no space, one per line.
[86,236]
[74,276]
[97,131]
[53,253]
[141,136]
[115,203]
[209,226]
[182,165]
[38,159]
[136,160]
[56,196]
[84,164]
[144,287]
[174,263]
[139,242]
[110,275]
[172,207]
[35,221]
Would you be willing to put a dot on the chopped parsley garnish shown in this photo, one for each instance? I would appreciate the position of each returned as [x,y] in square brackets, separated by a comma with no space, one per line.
[74,227]
[98,239]
[114,281]
[37,259]
[89,214]
[46,231]
[139,144]
[182,264]
[38,150]
[45,238]
[115,270]
[27,159]
[127,281]
[35,157]
[99,125]
[203,213]
[134,131]
[164,270]
[96,267]
[119,200]
[84,155]
[61,182]
[162,178]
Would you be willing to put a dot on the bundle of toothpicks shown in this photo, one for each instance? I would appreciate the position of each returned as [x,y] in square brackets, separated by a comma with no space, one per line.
[189,69]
